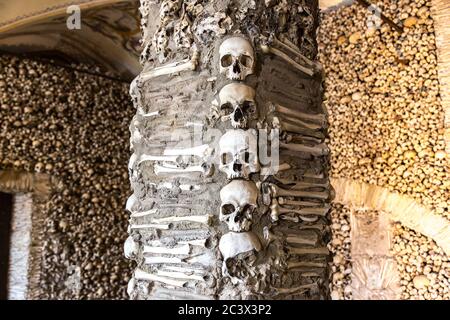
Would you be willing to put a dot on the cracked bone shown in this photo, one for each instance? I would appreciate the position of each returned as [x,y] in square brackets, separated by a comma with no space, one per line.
[150,226]
[142,275]
[318,150]
[170,68]
[302,251]
[305,69]
[204,219]
[276,191]
[179,275]
[182,250]
[205,169]
[160,260]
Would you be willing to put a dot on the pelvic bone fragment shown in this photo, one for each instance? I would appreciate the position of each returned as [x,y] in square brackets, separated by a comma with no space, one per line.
[238,204]
[239,153]
[237,103]
[237,58]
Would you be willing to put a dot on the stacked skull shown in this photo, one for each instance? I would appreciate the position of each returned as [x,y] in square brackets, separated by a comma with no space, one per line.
[238,151]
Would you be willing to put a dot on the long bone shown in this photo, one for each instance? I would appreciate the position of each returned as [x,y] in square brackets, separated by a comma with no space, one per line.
[160,260]
[179,275]
[302,185]
[276,211]
[302,239]
[301,251]
[182,250]
[276,191]
[284,201]
[148,157]
[204,169]
[286,44]
[200,151]
[186,270]
[197,242]
[296,126]
[170,68]
[151,226]
[142,275]
[204,219]
[302,288]
[305,69]
[289,113]
[305,264]
[299,218]
[318,150]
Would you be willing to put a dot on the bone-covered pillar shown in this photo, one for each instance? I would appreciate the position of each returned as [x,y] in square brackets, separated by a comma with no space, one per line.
[229,163]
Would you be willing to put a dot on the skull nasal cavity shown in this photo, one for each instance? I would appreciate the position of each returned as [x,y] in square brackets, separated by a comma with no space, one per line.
[236,68]
[237,167]
[238,114]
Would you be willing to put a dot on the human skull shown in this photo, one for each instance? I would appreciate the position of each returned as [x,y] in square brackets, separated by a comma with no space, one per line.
[237,58]
[238,203]
[237,102]
[239,153]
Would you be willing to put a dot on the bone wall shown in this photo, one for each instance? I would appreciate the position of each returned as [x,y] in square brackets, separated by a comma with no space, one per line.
[72,127]
[208,219]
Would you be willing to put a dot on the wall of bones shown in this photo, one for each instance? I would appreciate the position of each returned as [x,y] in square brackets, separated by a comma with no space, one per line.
[72,127]
[213,213]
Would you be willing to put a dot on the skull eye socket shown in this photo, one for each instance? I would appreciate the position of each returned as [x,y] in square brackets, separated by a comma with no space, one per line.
[249,107]
[246,156]
[246,60]
[227,209]
[226,109]
[227,157]
[226,61]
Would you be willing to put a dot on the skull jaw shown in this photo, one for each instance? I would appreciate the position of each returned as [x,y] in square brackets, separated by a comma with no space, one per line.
[241,124]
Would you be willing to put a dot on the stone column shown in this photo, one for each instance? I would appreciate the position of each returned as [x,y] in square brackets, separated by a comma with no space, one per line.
[214,214]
